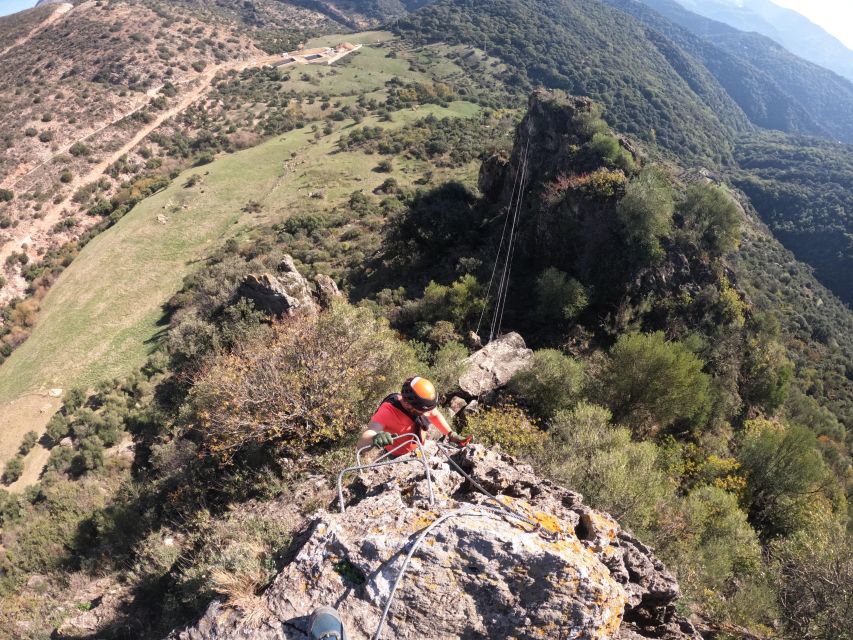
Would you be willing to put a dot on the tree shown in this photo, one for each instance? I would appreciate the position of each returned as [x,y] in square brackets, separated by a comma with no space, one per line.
[74,399]
[787,478]
[650,383]
[713,216]
[558,296]
[816,581]
[601,461]
[28,442]
[312,382]
[13,469]
[645,213]
[553,382]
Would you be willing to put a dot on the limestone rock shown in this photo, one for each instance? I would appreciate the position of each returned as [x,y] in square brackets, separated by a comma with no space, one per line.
[478,573]
[327,290]
[66,442]
[286,294]
[492,366]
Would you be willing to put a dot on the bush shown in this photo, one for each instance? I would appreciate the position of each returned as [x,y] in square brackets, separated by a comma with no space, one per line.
[79,149]
[6,195]
[46,136]
[645,213]
[57,428]
[29,441]
[74,399]
[13,469]
[713,216]
[384,166]
[552,383]
[651,383]
[507,426]
[614,473]
[558,296]
[787,478]
[312,382]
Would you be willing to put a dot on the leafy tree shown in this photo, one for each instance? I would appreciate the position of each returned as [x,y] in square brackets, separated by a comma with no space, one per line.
[650,382]
[713,216]
[90,456]
[645,213]
[28,442]
[311,382]
[618,475]
[74,399]
[552,383]
[57,427]
[787,478]
[558,296]
[816,572]
[13,469]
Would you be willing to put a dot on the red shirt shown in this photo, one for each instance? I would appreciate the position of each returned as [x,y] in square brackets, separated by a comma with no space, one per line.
[396,422]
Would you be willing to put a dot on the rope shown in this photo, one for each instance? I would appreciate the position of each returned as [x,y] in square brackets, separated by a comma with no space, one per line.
[499,312]
[503,287]
[467,511]
[500,251]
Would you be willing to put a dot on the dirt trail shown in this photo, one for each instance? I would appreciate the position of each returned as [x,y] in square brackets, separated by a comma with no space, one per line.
[58,12]
[40,228]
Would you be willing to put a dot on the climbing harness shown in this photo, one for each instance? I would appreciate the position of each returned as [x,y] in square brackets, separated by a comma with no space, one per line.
[399,442]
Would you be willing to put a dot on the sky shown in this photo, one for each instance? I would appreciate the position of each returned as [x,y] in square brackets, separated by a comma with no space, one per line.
[835,16]
[13,6]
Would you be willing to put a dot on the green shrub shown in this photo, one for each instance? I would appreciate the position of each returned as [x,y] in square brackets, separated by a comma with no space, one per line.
[558,296]
[29,441]
[712,215]
[79,149]
[645,213]
[13,469]
[614,473]
[507,426]
[552,383]
[74,399]
[651,383]
[788,482]
[57,428]
[6,195]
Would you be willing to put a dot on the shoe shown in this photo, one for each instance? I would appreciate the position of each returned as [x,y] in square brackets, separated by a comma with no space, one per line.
[326,624]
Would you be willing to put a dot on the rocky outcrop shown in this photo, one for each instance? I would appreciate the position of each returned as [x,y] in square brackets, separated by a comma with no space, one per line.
[284,294]
[327,290]
[492,366]
[559,569]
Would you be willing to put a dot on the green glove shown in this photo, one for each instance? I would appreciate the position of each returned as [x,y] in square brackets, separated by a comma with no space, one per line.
[455,437]
[382,439]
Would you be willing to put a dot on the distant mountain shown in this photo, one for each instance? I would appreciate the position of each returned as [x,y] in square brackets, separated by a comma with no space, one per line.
[775,88]
[790,29]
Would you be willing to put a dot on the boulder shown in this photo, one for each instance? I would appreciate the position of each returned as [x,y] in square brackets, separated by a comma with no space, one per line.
[285,294]
[492,366]
[327,290]
[558,568]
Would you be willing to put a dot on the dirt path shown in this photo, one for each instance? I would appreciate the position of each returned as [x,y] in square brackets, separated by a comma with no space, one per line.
[38,229]
[58,12]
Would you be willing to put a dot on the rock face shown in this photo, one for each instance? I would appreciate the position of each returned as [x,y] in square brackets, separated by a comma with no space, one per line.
[327,290]
[492,366]
[285,294]
[564,570]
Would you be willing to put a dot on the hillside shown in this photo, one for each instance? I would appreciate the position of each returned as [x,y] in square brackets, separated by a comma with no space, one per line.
[570,45]
[788,28]
[278,247]
[775,88]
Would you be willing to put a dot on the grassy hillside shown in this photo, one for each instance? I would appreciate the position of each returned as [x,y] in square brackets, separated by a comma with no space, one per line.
[588,48]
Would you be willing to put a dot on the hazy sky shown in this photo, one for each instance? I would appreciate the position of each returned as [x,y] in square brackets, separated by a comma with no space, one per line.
[835,16]
[11,6]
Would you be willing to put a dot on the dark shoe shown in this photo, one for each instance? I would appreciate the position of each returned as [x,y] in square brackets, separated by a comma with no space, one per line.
[326,624]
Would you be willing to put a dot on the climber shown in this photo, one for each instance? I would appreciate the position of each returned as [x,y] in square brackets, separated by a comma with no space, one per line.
[412,410]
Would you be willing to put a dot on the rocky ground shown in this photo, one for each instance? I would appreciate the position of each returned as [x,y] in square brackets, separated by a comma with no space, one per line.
[479,572]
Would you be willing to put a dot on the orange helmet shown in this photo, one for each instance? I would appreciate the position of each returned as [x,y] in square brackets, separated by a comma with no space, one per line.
[420,393]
